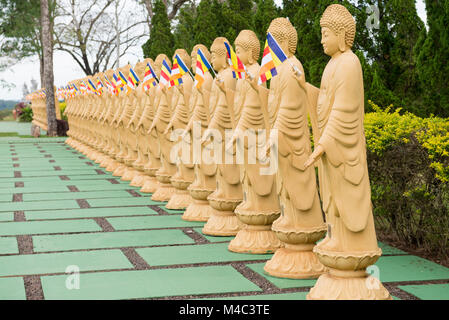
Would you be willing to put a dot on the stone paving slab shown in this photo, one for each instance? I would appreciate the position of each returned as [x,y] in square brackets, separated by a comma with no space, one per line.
[59,209]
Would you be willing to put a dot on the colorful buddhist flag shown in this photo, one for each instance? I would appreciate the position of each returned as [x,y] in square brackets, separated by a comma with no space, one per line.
[118,84]
[165,74]
[238,67]
[91,87]
[202,66]
[273,56]
[83,87]
[150,79]
[176,75]
[133,79]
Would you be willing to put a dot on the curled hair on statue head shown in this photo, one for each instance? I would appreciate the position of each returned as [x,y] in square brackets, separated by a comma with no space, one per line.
[248,40]
[219,47]
[282,29]
[337,18]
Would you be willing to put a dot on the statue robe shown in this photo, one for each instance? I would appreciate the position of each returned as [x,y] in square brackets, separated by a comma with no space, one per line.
[344,179]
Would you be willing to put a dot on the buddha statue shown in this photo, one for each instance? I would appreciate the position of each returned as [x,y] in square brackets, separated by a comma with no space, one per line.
[181,116]
[337,113]
[228,193]
[260,205]
[204,174]
[164,112]
[149,142]
[301,223]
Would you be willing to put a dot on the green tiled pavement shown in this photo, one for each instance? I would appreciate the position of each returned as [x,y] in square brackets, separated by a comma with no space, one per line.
[161,256]
[152,222]
[428,291]
[15,289]
[48,263]
[120,234]
[109,240]
[42,227]
[150,284]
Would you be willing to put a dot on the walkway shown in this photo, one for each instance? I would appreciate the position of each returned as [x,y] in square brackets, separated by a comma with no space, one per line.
[60,211]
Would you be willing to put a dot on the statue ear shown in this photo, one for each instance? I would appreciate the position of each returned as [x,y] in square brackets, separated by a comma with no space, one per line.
[342,40]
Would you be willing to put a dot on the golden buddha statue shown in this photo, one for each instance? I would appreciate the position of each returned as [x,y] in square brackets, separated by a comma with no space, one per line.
[164,112]
[260,205]
[301,223]
[204,175]
[337,113]
[228,193]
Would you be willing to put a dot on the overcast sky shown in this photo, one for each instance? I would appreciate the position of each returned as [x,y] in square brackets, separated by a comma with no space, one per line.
[66,69]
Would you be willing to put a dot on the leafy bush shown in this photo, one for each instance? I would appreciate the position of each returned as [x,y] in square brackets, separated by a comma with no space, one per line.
[26,115]
[408,160]
[62,106]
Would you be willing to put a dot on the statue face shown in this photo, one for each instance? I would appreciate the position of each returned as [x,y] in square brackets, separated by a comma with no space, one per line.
[330,41]
[218,61]
[244,55]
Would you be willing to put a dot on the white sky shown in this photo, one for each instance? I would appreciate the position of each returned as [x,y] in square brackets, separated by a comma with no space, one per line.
[66,69]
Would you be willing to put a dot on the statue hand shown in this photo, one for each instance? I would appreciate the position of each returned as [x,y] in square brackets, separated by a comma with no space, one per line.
[168,129]
[299,76]
[317,153]
[220,84]
[254,82]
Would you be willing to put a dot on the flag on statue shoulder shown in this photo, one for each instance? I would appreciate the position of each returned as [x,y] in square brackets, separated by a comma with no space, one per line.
[179,69]
[236,64]
[123,82]
[273,56]
[150,79]
[202,66]
[118,84]
[133,79]
[165,74]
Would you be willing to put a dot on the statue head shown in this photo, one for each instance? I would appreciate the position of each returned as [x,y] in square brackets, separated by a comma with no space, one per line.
[285,34]
[337,29]
[125,69]
[247,47]
[195,52]
[109,73]
[139,69]
[148,61]
[184,56]
[218,51]
[158,63]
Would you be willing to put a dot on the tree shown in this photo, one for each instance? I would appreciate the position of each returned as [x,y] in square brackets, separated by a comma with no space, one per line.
[238,16]
[432,53]
[204,29]
[266,11]
[183,33]
[175,6]
[47,46]
[92,36]
[161,38]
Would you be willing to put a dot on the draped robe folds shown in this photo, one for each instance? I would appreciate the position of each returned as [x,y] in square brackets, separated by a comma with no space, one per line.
[161,120]
[296,186]
[259,191]
[227,175]
[149,142]
[204,174]
[139,108]
[344,179]
[179,121]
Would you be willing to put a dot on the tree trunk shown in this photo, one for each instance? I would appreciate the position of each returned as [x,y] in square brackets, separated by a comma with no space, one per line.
[47,46]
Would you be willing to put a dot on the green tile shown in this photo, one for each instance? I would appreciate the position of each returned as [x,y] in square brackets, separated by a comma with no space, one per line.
[88,213]
[114,202]
[150,283]
[105,187]
[37,189]
[75,195]
[8,245]
[55,173]
[58,262]
[160,256]
[281,283]
[171,211]
[211,238]
[151,222]
[42,227]
[110,240]
[12,289]
[281,296]
[428,291]
[6,216]
[409,268]
[4,197]
[39,205]
[388,250]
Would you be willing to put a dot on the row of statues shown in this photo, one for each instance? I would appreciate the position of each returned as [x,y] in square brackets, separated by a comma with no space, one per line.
[39,108]
[286,212]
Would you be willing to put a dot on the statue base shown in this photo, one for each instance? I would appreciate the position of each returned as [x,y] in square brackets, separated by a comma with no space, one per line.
[164,192]
[150,184]
[180,200]
[347,278]
[255,240]
[295,262]
[348,285]
[119,171]
[112,165]
[138,180]
[223,221]
[129,174]
[198,210]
